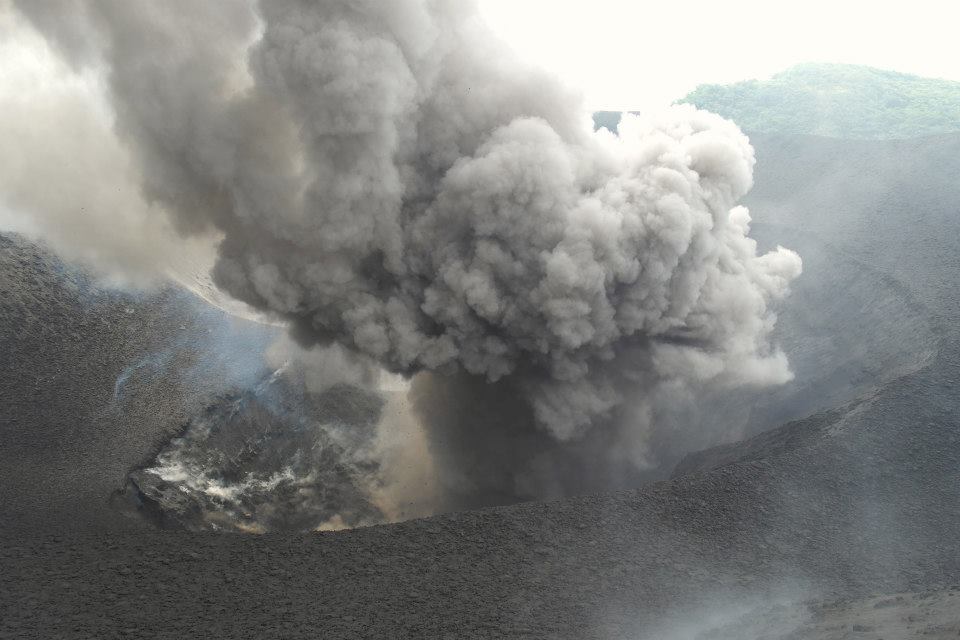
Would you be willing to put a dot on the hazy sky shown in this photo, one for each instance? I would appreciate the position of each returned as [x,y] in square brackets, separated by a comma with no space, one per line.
[631,54]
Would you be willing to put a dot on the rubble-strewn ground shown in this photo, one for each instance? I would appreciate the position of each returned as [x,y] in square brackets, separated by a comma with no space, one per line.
[798,528]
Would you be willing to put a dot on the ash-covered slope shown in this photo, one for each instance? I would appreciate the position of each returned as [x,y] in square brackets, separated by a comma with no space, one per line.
[892,209]
[122,409]
[877,224]
[867,505]
[94,381]
[886,208]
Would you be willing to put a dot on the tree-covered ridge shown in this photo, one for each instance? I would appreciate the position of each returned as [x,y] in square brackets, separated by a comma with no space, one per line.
[833,100]
[837,100]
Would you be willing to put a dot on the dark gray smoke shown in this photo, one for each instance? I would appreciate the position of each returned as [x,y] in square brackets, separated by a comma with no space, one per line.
[388,177]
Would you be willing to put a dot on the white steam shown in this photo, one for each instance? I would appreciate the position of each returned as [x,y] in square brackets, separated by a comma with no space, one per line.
[387,177]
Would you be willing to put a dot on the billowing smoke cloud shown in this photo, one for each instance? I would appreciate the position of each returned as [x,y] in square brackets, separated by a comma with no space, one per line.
[64,175]
[387,177]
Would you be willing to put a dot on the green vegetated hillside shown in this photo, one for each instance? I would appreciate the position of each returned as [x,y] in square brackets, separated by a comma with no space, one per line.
[833,100]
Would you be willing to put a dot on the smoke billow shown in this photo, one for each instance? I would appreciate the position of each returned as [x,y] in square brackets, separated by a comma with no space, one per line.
[387,177]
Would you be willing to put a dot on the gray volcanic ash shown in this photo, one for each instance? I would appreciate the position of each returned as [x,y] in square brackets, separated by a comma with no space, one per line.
[387,177]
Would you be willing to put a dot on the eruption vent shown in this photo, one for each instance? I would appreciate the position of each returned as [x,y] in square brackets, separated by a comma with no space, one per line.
[388,177]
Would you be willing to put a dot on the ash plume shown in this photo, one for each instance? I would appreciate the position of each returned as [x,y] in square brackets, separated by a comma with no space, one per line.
[388,177]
